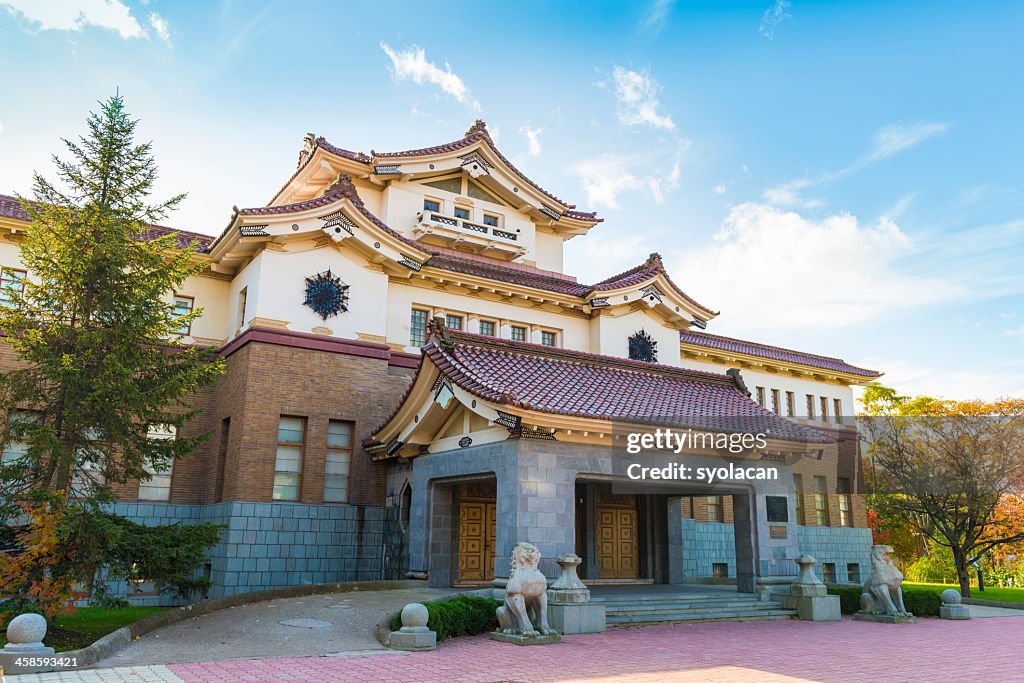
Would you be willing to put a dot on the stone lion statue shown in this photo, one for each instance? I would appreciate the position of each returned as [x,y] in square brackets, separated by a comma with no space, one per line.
[526,600]
[882,592]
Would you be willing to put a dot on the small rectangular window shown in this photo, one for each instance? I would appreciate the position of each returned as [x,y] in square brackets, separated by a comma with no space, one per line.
[777,508]
[291,432]
[453,322]
[852,572]
[776,402]
[790,404]
[17,446]
[418,327]
[837,410]
[824,409]
[715,513]
[431,204]
[12,286]
[339,460]
[487,328]
[491,220]
[462,213]
[159,486]
[828,572]
[798,498]
[760,397]
[720,570]
[810,406]
[183,306]
[518,333]
[821,501]
[548,338]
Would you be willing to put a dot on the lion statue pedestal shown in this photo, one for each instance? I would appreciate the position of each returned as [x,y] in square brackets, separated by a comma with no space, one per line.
[882,599]
[523,619]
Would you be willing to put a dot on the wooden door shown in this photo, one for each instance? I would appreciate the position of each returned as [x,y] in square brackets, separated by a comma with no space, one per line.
[477,532]
[617,551]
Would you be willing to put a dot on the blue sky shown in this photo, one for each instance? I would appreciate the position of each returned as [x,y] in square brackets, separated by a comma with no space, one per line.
[841,178]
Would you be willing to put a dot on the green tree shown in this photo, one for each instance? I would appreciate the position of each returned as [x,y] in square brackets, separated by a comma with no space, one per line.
[95,327]
[947,467]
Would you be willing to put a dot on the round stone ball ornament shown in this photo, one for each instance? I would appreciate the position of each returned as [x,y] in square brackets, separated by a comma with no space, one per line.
[326,294]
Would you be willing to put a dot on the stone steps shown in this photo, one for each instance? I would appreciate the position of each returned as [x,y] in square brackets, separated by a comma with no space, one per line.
[660,609]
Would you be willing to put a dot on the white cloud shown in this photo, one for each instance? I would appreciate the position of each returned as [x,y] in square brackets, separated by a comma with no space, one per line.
[160,26]
[720,188]
[899,137]
[75,15]
[606,177]
[771,268]
[986,380]
[411,65]
[637,96]
[655,16]
[532,136]
[1015,332]
[773,17]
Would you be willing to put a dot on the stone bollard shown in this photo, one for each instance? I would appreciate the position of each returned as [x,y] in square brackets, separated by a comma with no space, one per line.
[25,636]
[809,596]
[414,634]
[569,608]
[951,607]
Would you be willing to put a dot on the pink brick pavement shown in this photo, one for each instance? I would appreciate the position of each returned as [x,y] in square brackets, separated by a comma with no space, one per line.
[930,650]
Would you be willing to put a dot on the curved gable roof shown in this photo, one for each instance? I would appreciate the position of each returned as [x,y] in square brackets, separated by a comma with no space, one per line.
[646,271]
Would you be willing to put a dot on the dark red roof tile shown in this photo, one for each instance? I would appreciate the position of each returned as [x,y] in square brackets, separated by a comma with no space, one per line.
[645,271]
[713,341]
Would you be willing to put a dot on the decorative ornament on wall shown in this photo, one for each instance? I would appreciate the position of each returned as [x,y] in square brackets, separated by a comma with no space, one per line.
[326,294]
[643,347]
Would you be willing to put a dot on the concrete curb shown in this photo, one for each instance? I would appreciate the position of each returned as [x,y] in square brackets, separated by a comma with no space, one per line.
[112,642]
[383,627]
[993,603]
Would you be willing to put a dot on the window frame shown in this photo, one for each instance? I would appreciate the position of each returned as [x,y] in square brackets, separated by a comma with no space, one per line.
[413,326]
[776,402]
[798,499]
[302,456]
[438,202]
[762,398]
[168,475]
[187,327]
[494,328]
[716,504]
[790,404]
[837,409]
[512,332]
[823,400]
[457,209]
[821,511]
[10,295]
[810,406]
[449,317]
[546,335]
[485,216]
[339,449]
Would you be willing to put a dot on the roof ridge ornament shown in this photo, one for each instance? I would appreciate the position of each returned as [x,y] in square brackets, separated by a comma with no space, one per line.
[738,378]
[479,127]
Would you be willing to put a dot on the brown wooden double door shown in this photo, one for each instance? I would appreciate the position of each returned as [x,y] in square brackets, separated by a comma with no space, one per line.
[618,554]
[477,532]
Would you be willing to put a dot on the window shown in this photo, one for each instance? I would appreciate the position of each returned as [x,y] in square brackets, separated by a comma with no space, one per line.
[242,295]
[461,212]
[183,306]
[810,406]
[17,446]
[491,220]
[88,476]
[821,501]
[431,204]
[837,411]
[453,322]
[715,509]
[339,458]
[518,333]
[777,508]
[852,572]
[720,570]
[843,487]
[798,496]
[776,402]
[790,404]
[824,409]
[159,487]
[828,572]
[12,286]
[291,432]
[418,328]
[548,338]
[760,397]
[487,327]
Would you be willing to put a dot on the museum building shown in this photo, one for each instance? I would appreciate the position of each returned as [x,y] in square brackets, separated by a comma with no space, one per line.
[413,385]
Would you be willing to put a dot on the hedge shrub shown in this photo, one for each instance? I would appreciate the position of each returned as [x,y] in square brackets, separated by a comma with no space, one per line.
[463,615]
[919,601]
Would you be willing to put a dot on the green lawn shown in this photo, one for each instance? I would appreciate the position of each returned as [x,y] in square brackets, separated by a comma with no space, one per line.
[990,593]
[89,624]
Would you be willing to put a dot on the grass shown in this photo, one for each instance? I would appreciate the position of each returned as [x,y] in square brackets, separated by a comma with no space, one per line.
[89,624]
[990,592]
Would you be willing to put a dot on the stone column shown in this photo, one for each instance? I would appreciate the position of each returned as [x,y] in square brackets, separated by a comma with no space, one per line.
[590,529]
[745,527]
[674,548]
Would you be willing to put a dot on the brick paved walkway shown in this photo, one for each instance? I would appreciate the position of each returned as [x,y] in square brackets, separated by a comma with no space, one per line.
[931,650]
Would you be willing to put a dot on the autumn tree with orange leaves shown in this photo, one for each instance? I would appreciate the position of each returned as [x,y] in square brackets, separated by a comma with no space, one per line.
[952,467]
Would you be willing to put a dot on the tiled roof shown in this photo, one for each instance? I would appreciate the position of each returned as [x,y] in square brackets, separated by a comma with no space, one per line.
[501,273]
[713,341]
[645,271]
[10,207]
[574,383]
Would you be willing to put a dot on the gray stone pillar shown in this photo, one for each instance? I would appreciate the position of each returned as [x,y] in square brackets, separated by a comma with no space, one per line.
[590,531]
[744,510]
[674,526]
[442,544]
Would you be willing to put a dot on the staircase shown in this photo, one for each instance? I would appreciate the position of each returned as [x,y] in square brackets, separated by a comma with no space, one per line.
[625,610]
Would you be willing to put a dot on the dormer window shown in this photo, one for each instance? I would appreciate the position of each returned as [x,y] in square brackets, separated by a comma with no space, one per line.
[462,213]
[431,204]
